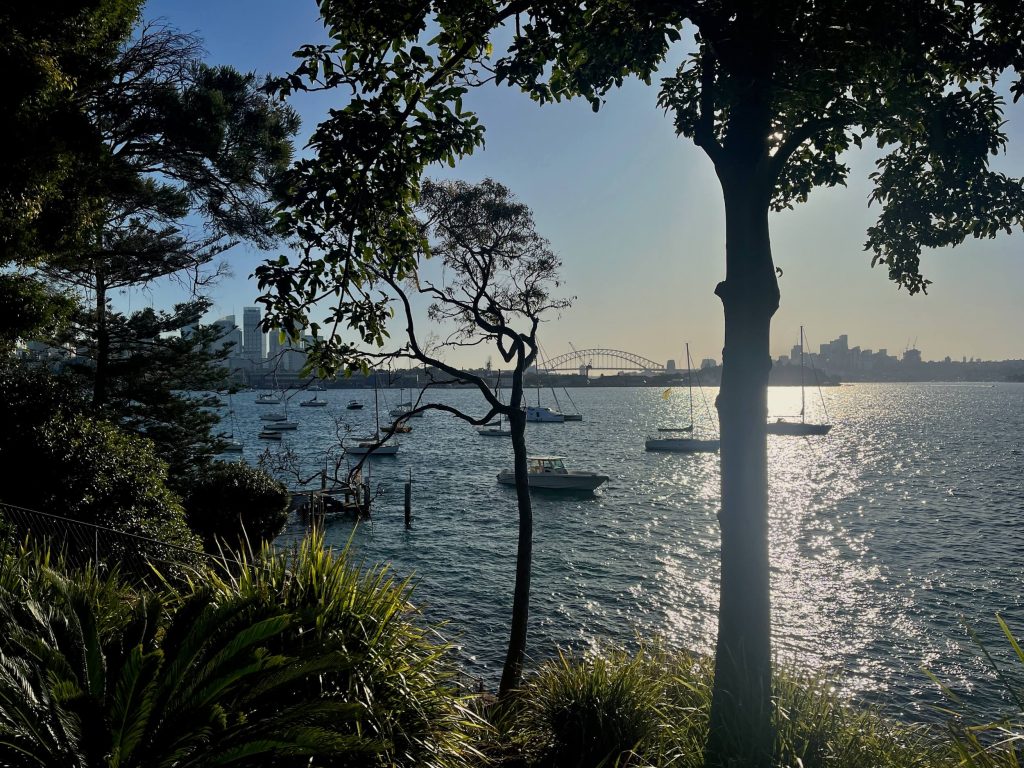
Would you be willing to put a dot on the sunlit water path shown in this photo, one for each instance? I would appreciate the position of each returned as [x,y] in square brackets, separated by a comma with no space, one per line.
[905,518]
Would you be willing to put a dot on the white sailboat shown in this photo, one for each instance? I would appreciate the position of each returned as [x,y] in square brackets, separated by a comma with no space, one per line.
[688,444]
[495,429]
[373,446]
[783,427]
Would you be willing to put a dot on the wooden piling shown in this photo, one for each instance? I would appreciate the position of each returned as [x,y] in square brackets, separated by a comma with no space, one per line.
[408,502]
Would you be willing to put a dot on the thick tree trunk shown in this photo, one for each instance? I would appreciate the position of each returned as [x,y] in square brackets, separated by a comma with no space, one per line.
[511,674]
[741,731]
[99,382]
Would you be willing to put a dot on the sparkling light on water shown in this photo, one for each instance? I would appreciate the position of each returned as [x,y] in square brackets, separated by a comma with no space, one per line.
[883,533]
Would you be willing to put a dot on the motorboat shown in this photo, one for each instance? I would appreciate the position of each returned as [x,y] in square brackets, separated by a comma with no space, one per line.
[404,410]
[230,445]
[549,472]
[281,426]
[273,416]
[315,402]
[541,413]
[354,405]
[268,398]
[681,444]
[270,434]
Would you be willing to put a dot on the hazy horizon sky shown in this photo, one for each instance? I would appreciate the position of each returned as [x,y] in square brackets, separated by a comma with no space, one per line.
[636,215]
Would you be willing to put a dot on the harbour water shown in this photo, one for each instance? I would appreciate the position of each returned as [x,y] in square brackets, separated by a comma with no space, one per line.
[888,535]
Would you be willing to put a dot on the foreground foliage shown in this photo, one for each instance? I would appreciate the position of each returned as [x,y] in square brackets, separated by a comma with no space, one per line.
[653,708]
[298,659]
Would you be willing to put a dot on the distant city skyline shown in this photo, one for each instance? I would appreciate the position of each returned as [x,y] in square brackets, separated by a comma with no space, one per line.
[618,188]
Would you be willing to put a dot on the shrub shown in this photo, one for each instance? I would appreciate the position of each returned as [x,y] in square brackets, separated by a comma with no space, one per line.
[400,679]
[652,708]
[598,710]
[95,674]
[91,471]
[235,503]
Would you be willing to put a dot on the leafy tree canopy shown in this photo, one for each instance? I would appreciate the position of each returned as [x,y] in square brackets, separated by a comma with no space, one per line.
[50,53]
[783,88]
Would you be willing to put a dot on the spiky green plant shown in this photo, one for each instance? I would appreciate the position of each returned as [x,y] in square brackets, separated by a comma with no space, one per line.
[652,708]
[399,672]
[296,660]
[985,742]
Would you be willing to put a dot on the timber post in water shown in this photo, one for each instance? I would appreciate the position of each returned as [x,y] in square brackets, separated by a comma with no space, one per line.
[408,501]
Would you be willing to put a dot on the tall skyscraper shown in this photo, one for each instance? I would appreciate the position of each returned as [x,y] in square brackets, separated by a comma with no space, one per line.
[252,336]
[274,346]
[229,334]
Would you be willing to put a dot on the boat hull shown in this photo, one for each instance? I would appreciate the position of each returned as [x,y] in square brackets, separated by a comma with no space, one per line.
[543,415]
[314,404]
[494,432]
[280,426]
[797,428]
[363,450]
[681,445]
[570,481]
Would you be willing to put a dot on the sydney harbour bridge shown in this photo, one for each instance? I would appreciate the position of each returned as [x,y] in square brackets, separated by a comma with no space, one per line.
[585,361]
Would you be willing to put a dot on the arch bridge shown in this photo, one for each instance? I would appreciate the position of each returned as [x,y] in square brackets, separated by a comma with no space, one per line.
[599,360]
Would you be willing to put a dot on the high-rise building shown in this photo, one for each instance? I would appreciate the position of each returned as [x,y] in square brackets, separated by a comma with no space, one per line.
[229,334]
[274,347]
[252,336]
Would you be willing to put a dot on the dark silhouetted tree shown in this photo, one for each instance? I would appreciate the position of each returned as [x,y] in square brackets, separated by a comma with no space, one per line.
[495,283]
[773,92]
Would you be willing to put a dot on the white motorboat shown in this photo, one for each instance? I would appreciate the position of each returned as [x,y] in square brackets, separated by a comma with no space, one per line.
[268,399]
[404,410]
[315,402]
[354,405]
[681,444]
[803,427]
[541,413]
[273,416]
[281,426]
[549,472]
[230,445]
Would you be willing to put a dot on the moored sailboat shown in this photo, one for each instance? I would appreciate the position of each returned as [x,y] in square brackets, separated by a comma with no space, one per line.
[783,427]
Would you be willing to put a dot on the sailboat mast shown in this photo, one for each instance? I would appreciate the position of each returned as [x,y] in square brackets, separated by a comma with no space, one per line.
[689,381]
[802,403]
[376,408]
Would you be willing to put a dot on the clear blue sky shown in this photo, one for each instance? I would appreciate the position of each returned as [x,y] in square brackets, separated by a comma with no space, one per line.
[637,217]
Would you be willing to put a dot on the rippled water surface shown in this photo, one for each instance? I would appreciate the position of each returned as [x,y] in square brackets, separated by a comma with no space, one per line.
[884,533]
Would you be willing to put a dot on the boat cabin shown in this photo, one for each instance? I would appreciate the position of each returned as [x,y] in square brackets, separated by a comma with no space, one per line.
[550,465]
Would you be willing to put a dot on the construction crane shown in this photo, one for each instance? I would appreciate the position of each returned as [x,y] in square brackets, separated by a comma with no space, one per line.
[590,363]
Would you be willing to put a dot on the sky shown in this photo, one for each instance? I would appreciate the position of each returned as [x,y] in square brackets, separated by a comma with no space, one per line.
[636,215]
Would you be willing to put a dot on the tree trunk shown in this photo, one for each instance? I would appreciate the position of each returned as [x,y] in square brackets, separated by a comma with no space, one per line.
[512,673]
[741,710]
[99,382]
